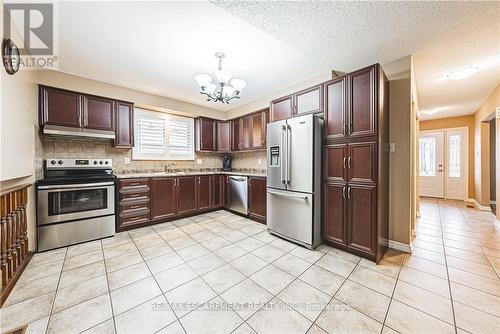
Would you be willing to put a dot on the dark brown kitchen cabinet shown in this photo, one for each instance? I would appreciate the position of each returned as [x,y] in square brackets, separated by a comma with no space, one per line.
[187,197]
[163,198]
[308,101]
[59,107]
[335,108]
[361,101]
[206,134]
[124,134]
[246,134]
[235,135]
[204,192]
[334,227]
[259,126]
[133,203]
[223,136]
[98,113]
[356,162]
[257,198]
[281,108]
[217,190]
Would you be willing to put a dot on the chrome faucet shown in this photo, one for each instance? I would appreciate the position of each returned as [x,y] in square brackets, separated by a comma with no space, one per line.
[168,165]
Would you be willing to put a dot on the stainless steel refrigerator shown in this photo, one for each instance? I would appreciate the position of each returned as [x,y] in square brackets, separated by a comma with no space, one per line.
[294,179]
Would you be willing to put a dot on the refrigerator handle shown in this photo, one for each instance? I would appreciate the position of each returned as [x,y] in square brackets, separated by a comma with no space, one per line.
[282,155]
[288,152]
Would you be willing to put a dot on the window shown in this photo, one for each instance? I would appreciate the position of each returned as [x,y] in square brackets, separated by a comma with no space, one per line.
[161,136]
[454,149]
[427,156]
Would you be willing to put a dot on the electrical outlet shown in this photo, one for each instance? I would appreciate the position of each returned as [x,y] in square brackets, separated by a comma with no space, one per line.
[127,161]
[259,162]
[199,161]
[392,147]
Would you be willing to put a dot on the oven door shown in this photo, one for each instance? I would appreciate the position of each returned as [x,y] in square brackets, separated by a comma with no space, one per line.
[59,203]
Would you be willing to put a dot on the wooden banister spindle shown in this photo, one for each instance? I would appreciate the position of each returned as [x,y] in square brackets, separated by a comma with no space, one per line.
[3,240]
[24,220]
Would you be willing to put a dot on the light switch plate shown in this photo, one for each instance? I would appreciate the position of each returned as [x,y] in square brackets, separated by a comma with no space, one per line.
[127,161]
[392,147]
[259,161]
[199,161]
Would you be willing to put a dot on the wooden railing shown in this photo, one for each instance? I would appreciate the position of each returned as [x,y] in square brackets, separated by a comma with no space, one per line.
[14,252]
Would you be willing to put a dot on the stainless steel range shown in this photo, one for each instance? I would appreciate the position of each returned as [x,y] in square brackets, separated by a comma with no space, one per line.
[75,202]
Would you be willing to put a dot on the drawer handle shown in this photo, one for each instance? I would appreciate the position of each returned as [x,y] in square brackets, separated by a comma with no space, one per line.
[136,195]
[134,219]
[135,183]
[135,206]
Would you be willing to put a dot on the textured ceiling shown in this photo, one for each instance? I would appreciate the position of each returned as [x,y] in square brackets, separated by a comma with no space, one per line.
[442,36]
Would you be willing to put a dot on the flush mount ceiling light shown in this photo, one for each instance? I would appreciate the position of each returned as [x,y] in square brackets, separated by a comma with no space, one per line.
[462,73]
[220,90]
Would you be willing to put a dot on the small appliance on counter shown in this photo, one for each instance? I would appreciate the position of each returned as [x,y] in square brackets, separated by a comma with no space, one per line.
[226,163]
[75,202]
[294,179]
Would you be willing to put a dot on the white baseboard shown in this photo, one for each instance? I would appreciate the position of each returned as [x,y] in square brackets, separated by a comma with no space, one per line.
[477,205]
[399,246]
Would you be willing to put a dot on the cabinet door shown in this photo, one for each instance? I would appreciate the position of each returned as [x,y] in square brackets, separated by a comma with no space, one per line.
[362,162]
[98,113]
[235,135]
[335,108]
[217,190]
[281,108]
[334,227]
[362,102]
[206,134]
[187,201]
[257,198]
[362,217]
[223,136]
[60,107]
[246,132]
[259,123]
[309,101]
[335,159]
[204,192]
[163,198]
[124,132]
[225,191]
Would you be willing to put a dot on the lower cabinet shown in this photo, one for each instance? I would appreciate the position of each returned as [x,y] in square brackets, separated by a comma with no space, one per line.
[257,198]
[187,197]
[350,216]
[143,201]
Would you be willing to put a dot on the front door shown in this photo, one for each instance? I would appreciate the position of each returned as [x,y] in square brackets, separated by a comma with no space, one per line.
[431,164]
[456,157]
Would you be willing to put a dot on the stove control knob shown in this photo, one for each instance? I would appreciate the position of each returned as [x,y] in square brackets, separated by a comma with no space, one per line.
[95,162]
[106,162]
[100,162]
[60,162]
[53,162]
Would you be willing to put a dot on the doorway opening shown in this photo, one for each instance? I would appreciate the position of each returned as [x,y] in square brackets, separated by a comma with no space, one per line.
[443,163]
[493,164]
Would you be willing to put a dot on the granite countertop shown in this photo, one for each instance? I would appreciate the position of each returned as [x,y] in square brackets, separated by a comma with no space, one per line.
[127,175]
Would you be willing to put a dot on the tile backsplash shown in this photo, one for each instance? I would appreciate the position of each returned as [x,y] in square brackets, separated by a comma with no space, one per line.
[61,147]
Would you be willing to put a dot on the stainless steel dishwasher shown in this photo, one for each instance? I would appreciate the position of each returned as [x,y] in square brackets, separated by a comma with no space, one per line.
[238,194]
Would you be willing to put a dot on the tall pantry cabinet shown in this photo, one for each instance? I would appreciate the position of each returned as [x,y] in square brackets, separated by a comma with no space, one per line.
[356,162]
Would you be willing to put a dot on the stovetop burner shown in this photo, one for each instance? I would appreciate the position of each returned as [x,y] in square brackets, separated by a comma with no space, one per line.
[67,171]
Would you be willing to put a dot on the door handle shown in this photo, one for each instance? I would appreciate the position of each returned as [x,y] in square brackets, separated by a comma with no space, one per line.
[349,162]
[288,145]
[349,192]
[343,192]
[344,161]
[287,195]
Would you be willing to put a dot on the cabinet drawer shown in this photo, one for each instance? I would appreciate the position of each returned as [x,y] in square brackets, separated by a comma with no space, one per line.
[133,182]
[142,190]
[132,208]
[140,211]
[134,220]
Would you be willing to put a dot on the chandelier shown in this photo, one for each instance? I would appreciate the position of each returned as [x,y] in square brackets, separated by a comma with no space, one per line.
[221,90]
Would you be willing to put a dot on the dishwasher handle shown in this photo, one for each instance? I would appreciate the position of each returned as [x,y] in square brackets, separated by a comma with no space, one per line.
[239,179]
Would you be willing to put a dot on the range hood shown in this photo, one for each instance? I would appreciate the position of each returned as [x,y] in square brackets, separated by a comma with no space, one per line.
[77,132]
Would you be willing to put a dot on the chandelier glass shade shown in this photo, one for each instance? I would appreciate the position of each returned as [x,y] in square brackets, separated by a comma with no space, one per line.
[223,89]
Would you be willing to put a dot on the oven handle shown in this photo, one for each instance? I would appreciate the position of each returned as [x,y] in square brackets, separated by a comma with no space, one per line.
[77,186]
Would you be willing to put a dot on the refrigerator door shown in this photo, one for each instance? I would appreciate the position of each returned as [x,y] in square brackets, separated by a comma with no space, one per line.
[290,215]
[276,155]
[300,157]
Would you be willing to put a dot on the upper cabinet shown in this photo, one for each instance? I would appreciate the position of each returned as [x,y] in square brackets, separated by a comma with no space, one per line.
[60,107]
[259,125]
[98,113]
[206,134]
[307,101]
[124,134]
[235,135]
[72,109]
[223,136]
[350,107]
[252,130]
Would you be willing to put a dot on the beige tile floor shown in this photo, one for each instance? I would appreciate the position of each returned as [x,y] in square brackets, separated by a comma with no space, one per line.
[219,273]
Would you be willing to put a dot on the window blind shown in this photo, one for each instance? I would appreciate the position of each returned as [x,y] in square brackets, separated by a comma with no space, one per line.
[180,138]
[151,136]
